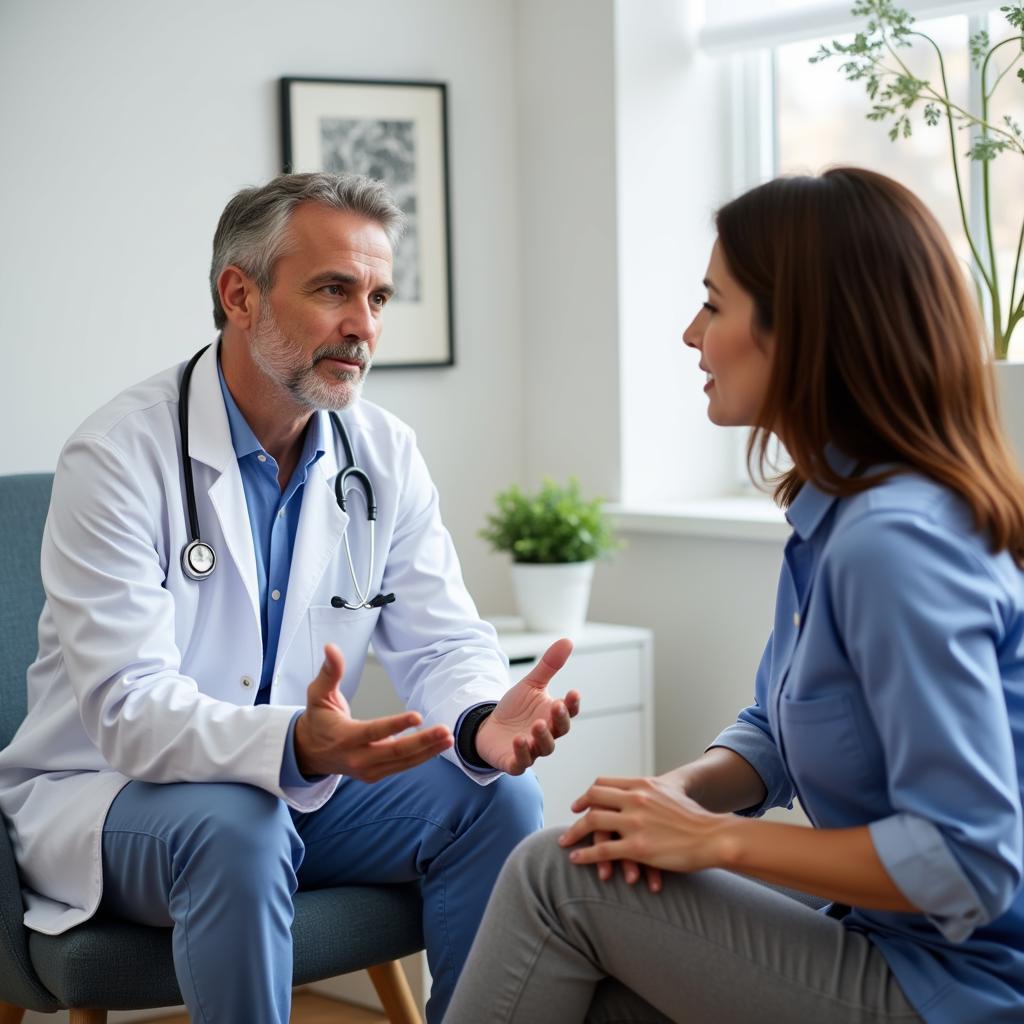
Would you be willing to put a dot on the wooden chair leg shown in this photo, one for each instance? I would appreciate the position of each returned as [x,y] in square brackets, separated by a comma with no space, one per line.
[394,993]
[10,1014]
[87,1017]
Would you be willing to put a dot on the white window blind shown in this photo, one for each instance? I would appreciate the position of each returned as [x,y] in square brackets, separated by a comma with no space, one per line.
[733,25]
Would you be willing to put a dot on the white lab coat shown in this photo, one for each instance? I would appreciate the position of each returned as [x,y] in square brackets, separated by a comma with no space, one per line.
[143,673]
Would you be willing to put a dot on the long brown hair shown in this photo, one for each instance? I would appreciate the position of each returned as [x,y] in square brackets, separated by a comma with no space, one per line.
[879,347]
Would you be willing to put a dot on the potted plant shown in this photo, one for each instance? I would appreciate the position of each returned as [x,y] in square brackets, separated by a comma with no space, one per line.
[554,538]
[876,57]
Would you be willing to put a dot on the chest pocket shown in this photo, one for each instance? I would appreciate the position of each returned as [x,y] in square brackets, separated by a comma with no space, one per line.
[825,751]
[347,629]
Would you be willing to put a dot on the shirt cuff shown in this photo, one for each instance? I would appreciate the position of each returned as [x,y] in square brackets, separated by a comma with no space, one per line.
[757,748]
[460,741]
[922,867]
[290,774]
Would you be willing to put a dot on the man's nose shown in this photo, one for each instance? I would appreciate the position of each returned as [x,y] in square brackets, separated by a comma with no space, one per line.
[359,322]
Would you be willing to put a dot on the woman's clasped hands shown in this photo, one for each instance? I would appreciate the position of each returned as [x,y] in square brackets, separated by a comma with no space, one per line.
[649,823]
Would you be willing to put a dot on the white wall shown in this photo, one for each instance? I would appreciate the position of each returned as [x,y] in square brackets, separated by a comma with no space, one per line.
[569,345]
[126,126]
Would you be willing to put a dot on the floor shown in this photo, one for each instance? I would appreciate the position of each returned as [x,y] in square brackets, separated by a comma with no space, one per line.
[312,1009]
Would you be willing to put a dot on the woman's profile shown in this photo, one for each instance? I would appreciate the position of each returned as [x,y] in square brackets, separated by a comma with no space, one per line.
[890,697]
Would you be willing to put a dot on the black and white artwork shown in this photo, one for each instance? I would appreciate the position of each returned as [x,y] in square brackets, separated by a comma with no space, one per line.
[384,150]
[395,132]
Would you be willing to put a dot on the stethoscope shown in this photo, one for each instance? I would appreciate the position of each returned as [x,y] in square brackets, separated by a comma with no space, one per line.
[198,559]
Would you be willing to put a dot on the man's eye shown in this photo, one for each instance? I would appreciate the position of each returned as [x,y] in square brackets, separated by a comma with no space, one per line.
[331,289]
[381,300]
[709,307]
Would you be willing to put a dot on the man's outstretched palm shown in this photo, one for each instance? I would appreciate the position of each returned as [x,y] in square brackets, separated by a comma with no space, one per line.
[527,720]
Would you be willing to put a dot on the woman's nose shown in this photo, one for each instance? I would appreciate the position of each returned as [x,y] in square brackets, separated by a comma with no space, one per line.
[692,335]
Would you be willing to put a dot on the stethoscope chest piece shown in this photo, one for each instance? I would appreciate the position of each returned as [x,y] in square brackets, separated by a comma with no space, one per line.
[198,560]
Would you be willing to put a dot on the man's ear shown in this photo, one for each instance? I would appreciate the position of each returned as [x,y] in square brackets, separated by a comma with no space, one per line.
[239,297]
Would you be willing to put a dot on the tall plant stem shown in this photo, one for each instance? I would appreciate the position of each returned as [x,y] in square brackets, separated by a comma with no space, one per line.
[944,99]
[998,339]
[1002,74]
[1013,280]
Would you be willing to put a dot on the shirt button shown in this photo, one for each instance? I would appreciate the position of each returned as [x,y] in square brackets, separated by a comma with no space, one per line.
[796,619]
[261,457]
[276,595]
[247,681]
[280,515]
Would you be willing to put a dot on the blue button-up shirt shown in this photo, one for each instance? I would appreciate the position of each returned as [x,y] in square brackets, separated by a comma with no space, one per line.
[891,695]
[274,521]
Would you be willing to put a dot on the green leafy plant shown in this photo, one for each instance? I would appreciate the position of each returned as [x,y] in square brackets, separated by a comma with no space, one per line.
[553,525]
[875,57]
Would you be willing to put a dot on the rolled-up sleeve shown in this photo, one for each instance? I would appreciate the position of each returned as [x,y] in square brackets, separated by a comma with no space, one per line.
[921,612]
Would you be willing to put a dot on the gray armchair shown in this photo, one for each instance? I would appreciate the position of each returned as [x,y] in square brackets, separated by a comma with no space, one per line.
[112,965]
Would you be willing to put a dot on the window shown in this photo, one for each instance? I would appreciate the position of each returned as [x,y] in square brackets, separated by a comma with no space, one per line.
[819,119]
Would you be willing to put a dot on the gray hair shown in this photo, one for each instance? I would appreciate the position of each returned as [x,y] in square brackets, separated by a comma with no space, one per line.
[253,229]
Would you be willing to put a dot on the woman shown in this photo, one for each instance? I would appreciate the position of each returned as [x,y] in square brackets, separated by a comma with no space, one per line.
[890,697]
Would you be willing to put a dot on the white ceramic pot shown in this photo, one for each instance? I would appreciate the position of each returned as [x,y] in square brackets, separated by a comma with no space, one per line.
[553,598]
[1010,379]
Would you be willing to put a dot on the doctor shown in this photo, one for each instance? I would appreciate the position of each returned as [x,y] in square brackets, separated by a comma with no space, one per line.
[177,767]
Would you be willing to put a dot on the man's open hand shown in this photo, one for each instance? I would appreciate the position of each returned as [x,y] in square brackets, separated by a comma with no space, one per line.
[527,721]
[329,741]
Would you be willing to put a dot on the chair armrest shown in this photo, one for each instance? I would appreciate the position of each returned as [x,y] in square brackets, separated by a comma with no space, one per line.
[19,984]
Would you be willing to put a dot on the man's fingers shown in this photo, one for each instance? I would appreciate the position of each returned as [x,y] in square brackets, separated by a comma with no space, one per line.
[551,661]
[521,757]
[380,728]
[391,747]
[560,719]
[543,742]
[392,766]
[326,683]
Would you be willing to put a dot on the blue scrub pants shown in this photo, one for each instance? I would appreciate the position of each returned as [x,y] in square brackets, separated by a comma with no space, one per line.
[219,862]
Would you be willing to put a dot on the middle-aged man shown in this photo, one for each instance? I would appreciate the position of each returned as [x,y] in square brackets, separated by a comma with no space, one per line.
[176,766]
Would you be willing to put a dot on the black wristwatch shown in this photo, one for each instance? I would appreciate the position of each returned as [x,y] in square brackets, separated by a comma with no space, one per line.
[465,742]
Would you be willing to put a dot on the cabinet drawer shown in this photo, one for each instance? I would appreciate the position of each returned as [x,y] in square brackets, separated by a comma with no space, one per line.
[607,680]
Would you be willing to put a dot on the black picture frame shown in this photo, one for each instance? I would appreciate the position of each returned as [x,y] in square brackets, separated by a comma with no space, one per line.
[396,131]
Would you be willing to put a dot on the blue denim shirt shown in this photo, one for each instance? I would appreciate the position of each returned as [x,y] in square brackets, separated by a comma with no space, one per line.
[891,694]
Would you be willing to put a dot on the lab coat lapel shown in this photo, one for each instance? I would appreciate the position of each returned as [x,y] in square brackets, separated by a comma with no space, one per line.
[322,525]
[210,444]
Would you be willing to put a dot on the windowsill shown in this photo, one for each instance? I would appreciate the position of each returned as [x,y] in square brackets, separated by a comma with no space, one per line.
[753,517]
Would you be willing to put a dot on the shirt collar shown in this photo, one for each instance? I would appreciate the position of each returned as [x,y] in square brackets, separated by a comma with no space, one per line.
[245,442]
[811,505]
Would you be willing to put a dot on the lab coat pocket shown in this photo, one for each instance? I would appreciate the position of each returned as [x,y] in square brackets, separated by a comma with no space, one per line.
[347,629]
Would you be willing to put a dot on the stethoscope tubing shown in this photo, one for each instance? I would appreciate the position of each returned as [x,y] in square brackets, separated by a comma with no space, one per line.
[198,558]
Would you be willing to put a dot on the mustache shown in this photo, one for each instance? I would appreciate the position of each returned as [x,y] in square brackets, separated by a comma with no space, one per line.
[356,352]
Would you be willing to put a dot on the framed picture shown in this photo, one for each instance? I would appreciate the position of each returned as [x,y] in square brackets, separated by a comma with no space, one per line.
[397,132]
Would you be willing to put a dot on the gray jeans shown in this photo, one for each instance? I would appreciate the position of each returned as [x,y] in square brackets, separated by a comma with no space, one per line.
[558,945]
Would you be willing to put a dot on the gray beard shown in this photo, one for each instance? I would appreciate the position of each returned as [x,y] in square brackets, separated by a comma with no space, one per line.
[276,357]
